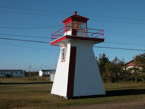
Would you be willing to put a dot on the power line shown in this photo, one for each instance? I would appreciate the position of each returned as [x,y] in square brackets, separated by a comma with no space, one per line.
[56,11]
[120,48]
[94,46]
[23,40]
[119,22]
[18,23]
[31,28]
[26,46]
[114,17]
[62,25]
[137,36]
[106,32]
[23,35]
[63,17]
[32,9]
[124,34]
[124,43]
[49,38]
[49,42]
[31,14]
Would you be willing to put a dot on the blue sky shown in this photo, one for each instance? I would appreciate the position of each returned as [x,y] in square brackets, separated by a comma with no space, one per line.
[123,21]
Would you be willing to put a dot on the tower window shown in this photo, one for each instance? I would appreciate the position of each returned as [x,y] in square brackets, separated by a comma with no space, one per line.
[63,53]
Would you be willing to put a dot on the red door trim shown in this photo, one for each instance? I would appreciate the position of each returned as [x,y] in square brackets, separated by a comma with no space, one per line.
[71,73]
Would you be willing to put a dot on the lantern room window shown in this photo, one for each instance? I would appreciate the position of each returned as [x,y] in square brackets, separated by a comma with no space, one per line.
[76,25]
[79,25]
[69,26]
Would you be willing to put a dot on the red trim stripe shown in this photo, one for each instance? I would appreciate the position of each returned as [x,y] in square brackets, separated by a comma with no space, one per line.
[85,38]
[71,73]
[77,38]
[58,40]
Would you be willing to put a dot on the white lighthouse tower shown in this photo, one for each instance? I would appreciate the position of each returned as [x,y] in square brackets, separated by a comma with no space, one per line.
[77,72]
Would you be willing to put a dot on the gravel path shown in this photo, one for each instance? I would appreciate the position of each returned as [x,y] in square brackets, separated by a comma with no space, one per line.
[133,104]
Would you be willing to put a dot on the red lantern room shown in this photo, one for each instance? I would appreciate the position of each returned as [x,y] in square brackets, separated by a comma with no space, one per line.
[74,24]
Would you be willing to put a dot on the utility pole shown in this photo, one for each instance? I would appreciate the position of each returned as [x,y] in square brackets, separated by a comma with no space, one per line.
[29,69]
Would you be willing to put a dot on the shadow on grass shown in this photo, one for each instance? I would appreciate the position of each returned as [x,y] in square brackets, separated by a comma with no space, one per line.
[115,93]
[26,83]
[125,92]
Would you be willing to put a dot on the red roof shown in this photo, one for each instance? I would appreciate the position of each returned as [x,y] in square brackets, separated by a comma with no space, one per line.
[130,63]
[76,17]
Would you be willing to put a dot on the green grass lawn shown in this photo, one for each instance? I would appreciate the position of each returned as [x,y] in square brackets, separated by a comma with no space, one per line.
[31,96]
[24,79]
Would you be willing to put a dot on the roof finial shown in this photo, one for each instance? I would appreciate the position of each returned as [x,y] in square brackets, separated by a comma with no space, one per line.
[75,12]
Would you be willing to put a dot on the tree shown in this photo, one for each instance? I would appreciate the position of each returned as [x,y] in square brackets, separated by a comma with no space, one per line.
[127,76]
[101,62]
[135,72]
[139,66]
[119,66]
[113,71]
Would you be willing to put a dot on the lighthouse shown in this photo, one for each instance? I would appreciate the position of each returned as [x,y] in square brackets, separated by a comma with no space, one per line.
[77,73]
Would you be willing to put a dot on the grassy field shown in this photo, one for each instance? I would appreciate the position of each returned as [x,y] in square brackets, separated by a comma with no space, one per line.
[27,95]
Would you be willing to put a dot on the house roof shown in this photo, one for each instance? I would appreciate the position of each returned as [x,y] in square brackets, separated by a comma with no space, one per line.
[47,70]
[130,63]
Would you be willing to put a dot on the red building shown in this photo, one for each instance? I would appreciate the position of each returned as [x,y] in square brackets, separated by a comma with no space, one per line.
[130,64]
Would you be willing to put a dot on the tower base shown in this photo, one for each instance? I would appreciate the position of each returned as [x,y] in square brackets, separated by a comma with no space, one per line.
[78,75]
